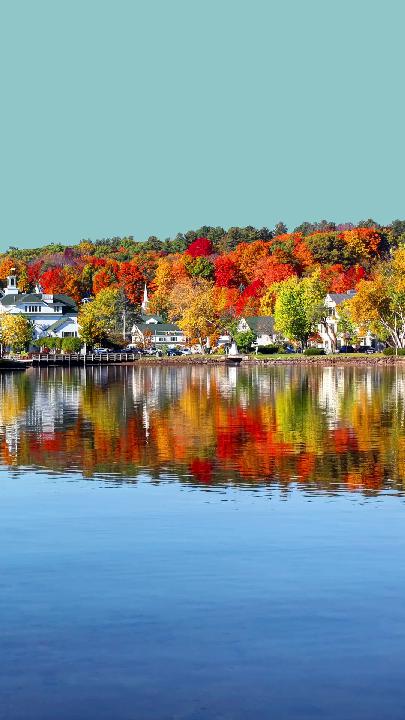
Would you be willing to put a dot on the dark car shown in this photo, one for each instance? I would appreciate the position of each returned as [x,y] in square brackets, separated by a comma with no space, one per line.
[347,349]
[174,351]
[367,349]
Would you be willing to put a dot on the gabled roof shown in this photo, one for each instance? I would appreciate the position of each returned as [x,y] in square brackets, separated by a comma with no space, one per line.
[21,298]
[156,328]
[145,317]
[260,324]
[58,324]
[338,298]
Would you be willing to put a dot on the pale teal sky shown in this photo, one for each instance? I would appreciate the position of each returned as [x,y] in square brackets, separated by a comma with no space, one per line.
[153,117]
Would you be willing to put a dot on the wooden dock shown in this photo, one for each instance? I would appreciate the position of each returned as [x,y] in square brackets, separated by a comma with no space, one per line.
[52,359]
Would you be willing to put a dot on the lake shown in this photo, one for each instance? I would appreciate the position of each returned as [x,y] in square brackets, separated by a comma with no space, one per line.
[202,543]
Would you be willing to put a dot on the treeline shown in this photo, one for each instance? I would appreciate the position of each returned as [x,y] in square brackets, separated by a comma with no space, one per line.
[205,279]
[125,248]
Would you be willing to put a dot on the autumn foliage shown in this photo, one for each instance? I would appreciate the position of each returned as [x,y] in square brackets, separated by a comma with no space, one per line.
[242,268]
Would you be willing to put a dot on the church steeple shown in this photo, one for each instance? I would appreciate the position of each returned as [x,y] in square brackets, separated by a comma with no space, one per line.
[145,301]
[11,288]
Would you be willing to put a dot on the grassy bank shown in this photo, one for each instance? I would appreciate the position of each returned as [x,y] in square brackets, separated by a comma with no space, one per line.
[339,359]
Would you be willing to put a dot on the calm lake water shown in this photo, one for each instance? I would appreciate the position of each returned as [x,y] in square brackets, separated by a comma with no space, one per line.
[195,543]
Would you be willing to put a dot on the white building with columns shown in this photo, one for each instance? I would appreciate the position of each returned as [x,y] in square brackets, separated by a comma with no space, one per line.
[51,315]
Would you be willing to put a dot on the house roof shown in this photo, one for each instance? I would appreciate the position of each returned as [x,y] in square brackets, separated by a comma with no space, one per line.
[58,324]
[156,328]
[15,298]
[145,317]
[338,298]
[260,324]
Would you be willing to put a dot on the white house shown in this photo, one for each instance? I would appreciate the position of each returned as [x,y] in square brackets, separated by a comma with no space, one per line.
[152,330]
[328,330]
[262,327]
[51,315]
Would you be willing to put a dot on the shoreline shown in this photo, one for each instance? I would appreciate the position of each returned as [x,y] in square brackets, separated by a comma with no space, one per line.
[354,359]
[244,361]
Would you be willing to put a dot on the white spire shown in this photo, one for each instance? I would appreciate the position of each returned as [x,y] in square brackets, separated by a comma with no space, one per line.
[145,301]
[12,287]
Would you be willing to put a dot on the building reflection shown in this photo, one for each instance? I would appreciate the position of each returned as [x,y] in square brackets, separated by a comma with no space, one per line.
[320,427]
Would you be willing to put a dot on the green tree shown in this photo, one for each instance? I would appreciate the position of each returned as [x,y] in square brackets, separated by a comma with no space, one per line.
[201,267]
[299,307]
[244,340]
[329,248]
[100,318]
[345,325]
[280,229]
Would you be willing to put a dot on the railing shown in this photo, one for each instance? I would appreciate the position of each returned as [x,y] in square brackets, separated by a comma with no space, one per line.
[78,358]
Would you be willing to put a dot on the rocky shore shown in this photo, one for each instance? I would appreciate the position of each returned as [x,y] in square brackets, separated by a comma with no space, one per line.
[337,360]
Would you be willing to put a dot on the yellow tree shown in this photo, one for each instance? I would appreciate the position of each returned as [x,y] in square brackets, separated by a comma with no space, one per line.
[379,304]
[184,293]
[16,331]
[6,265]
[163,282]
[268,301]
[98,318]
[200,318]
[17,267]
[193,304]
[362,243]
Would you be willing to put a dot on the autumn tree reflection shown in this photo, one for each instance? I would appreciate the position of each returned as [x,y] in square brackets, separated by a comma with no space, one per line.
[315,427]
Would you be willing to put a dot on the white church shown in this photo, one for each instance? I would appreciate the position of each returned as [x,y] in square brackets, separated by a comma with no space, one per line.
[151,329]
[51,315]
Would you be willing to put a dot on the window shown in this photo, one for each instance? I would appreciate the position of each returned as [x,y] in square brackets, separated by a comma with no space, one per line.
[33,308]
[69,334]
[173,339]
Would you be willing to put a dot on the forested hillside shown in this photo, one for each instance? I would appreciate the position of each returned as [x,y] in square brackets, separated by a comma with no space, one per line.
[205,277]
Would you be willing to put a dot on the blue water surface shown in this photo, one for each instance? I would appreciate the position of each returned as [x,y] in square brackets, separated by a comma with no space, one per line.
[130,602]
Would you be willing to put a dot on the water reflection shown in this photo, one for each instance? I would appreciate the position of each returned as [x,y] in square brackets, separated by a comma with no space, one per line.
[319,428]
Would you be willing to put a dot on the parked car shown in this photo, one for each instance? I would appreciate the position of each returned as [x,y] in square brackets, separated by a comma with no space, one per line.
[346,349]
[366,349]
[101,350]
[174,351]
[186,351]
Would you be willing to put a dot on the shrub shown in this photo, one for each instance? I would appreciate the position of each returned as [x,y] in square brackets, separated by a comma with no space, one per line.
[268,349]
[314,351]
[52,343]
[71,344]
[394,351]
[244,340]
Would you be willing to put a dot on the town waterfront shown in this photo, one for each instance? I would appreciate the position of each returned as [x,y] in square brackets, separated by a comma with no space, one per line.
[202,542]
